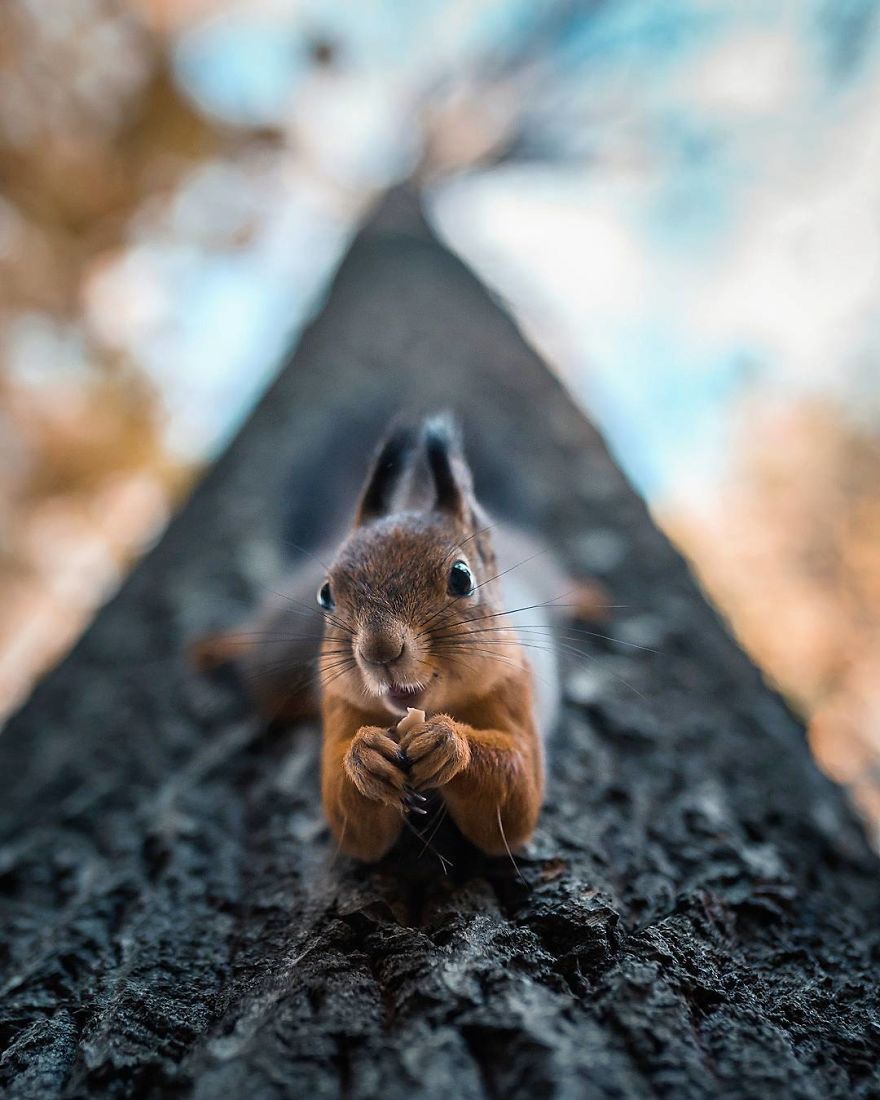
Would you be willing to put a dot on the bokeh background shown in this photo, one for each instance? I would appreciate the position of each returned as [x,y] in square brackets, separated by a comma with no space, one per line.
[680,203]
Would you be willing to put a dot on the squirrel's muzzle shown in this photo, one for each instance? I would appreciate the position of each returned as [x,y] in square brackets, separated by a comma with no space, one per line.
[380,647]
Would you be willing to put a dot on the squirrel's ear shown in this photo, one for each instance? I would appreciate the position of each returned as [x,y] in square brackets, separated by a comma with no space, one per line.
[453,485]
[389,465]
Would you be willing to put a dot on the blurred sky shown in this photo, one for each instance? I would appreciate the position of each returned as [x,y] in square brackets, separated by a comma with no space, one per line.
[679,201]
[689,206]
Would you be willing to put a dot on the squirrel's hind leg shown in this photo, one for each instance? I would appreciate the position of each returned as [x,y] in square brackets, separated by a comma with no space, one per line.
[274,652]
[215,651]
[283,687]
[588,602]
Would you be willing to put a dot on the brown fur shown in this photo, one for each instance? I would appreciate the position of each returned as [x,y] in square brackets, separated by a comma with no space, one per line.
[478,746]
[395,624]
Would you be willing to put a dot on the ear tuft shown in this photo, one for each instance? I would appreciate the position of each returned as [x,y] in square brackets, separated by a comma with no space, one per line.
[389,466]
[446,461]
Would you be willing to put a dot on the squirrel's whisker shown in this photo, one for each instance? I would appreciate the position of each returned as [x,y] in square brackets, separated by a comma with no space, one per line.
[434,827]
[251,639]
[507,846]
[308,553]
[315,612]
[510,569]
[569,633]
[444,862]
[427,623]
[474,535]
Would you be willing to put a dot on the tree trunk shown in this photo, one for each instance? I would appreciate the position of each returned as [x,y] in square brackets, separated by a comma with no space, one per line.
[697,915]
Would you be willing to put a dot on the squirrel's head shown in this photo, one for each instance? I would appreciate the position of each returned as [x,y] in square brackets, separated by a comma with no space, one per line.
[411,599]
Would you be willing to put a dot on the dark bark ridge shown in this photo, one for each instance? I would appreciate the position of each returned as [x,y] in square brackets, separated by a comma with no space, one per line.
[697,915]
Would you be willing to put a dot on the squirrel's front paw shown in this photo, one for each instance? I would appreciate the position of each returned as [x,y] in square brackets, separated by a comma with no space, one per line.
[374,764]
[435,751]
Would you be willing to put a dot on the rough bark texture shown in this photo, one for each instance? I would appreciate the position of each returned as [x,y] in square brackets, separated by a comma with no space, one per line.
[698,915]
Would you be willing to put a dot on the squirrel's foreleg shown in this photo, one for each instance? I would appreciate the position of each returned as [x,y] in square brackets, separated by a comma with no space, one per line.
[362,784]
[489,771]
[495,801]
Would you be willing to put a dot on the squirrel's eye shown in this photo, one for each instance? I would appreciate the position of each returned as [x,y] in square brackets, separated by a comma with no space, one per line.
[325,597]
[461,580]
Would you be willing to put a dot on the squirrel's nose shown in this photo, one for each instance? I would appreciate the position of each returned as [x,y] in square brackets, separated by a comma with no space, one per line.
[380,649]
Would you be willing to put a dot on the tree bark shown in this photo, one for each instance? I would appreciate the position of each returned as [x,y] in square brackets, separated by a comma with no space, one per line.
[697,915]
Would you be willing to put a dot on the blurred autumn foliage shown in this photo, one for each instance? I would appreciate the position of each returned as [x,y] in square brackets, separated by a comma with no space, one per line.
[790,549]
[90,128]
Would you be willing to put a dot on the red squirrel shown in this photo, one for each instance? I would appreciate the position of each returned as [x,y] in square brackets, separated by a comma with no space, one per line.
[415,620]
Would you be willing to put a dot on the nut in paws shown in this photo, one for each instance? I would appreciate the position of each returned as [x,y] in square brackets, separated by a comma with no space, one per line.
[435,751]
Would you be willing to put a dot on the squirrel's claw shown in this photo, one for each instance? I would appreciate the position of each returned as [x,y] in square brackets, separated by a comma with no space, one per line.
[412,799]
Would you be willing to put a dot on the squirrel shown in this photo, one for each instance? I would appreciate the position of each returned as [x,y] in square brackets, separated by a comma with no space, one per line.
[427,681]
